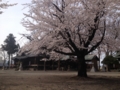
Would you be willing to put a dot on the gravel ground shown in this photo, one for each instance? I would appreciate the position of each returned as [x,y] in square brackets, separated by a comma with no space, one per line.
[54,80]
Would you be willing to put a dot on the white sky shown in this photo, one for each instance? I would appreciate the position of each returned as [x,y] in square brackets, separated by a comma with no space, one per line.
[10,21]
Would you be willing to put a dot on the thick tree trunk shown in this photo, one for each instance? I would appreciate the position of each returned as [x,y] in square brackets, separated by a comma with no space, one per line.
[82,72]
[4,60]
[3,65]
[9,62]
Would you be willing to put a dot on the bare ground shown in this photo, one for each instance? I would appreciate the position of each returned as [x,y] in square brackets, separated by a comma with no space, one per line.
[54,80]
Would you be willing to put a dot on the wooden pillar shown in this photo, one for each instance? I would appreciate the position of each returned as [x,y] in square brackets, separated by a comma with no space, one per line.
[58,65]
[35,64]
[44,65]
[68,68]
[29,63]
[52,64]
[35,61]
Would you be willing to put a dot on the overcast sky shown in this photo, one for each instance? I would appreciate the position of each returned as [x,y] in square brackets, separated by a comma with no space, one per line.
[10,21]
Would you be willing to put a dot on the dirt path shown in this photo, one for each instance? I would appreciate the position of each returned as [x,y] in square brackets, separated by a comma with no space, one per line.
[54,80]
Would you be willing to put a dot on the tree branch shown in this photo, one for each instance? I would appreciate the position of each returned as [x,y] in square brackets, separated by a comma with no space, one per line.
[72,43]
[70,47]
[61,52]
[98,43]
[57,8]
[58,17]
[92,30]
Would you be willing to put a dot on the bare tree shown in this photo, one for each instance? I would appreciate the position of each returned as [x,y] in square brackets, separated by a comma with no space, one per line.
[4,56]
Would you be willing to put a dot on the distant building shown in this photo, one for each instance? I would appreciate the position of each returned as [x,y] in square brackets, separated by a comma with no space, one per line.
[27,62]
[42,62]
[92,62]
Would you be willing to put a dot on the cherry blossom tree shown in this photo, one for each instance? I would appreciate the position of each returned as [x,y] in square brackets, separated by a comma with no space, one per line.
[111,41]
[5,5]
[69,27]
[112,38]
